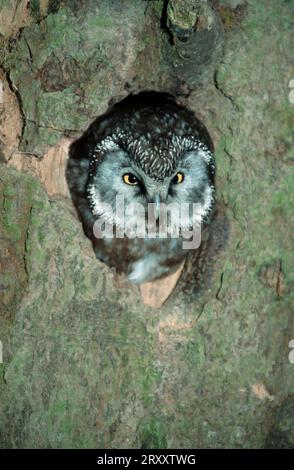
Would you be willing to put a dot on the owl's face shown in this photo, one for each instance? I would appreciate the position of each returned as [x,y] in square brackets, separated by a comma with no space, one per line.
[118,173]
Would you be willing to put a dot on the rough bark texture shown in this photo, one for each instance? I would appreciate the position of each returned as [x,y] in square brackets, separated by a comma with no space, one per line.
[85,363]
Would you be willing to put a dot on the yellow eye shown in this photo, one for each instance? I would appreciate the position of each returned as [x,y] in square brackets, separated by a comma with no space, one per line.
[179,178]
[131,179]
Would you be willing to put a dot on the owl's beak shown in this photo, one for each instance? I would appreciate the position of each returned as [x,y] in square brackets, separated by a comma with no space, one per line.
[157,206]
[156,201]
[154,207]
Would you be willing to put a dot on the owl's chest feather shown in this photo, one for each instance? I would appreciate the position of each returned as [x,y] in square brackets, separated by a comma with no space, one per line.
[142,259]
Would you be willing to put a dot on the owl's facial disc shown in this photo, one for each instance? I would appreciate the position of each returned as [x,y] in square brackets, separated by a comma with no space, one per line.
[118,175]
[114,176]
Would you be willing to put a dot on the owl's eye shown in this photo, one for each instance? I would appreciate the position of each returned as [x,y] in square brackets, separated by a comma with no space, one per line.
[131,179]
[179,178]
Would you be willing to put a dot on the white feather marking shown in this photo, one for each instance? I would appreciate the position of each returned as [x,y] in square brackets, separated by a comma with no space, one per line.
[145,267]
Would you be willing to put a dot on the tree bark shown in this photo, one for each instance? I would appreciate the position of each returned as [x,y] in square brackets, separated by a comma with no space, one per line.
[85,363]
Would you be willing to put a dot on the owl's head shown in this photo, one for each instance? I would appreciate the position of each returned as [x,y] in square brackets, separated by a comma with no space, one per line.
[142,169]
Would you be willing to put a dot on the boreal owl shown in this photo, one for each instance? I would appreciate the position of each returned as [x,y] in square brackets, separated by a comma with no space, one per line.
[146,152]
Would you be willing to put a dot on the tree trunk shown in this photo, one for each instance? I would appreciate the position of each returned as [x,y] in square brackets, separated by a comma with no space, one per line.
[85,362]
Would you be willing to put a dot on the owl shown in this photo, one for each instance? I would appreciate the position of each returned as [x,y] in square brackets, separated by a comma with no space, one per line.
[131,174]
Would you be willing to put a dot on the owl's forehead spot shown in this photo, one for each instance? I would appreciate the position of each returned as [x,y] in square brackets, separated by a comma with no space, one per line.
[157,156]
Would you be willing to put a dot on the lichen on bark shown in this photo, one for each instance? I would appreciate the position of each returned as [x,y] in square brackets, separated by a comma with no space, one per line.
[86,364]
